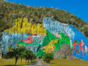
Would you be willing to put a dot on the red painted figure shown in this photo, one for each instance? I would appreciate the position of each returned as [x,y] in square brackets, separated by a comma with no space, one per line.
[28,39]
[74,47]
[80,48]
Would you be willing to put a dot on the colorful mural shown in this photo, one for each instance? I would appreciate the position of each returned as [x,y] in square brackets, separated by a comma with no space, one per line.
[45,38]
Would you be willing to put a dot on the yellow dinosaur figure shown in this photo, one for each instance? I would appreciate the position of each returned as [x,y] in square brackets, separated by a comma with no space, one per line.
[50,46]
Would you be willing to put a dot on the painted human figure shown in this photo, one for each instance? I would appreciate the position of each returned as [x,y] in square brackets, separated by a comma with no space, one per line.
[85,49]
[74,47]
[80,48]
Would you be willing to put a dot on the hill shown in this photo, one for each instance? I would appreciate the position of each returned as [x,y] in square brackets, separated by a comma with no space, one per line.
[11,11]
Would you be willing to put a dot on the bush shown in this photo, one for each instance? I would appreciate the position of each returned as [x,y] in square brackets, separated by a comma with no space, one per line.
[64,57]
[4,56]
[34,56]
[47,57]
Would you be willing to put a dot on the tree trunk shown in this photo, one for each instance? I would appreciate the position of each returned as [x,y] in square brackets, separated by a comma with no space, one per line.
[31,60]
[25,60]
[21,59]
[28,60]
[48,61]
[16,58]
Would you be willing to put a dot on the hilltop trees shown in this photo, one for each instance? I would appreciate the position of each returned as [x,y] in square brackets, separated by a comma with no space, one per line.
[13,11]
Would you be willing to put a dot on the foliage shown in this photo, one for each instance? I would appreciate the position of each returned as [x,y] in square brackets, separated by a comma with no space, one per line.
[4,56]
[15,53]
[28,54]
[34,14]
[65,57]
[48,57]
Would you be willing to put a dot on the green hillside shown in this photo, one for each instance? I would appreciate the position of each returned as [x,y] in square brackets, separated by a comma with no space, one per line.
[12,11]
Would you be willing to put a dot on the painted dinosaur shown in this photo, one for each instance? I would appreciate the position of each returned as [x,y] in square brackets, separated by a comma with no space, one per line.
[50,46]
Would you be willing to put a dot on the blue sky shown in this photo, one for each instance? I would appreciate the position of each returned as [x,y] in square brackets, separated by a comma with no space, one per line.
[76,7]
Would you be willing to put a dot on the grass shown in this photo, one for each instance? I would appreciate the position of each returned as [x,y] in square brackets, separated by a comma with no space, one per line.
[65,62]
[55,62]
[11,62]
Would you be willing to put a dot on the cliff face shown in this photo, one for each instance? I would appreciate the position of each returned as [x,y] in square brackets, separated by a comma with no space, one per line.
[64,22]
[20,31]
[11,39]
[56,27]
[67,32]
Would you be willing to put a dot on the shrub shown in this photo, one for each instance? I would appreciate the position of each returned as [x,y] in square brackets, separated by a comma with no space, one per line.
[47,57]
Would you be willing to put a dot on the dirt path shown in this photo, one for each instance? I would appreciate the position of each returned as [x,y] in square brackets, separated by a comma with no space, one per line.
[38,63]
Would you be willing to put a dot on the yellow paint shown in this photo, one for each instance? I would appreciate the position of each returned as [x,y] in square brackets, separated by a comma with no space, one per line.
[10,48]
[49,46]
[23,26]
[18,45]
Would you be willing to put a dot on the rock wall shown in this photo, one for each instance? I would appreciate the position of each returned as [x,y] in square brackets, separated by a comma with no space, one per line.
[56,27]
[14,35]
[78,36]
[10,39]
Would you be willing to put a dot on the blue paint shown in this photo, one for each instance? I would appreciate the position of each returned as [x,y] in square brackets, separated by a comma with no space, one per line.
[78,36]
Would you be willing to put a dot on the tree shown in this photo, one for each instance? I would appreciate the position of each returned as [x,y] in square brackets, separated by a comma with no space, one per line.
[28,54]
[21,53]
[15,53]
[32,57]
[47,57]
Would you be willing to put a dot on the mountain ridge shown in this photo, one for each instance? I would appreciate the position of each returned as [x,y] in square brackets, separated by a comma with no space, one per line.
[12,11]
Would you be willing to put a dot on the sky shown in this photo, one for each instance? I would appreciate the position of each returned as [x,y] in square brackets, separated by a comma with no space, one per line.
[76,7]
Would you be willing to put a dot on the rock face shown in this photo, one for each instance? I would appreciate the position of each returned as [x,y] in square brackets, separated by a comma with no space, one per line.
[10,39]
[56,27]
[0,54]
[64,52]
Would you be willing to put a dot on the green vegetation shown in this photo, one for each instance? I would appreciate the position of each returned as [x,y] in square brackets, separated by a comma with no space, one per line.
[20,52]
[48,57]
[34,14]
[28,54]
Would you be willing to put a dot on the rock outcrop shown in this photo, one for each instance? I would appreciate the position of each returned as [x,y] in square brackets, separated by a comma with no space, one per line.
[64,52]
